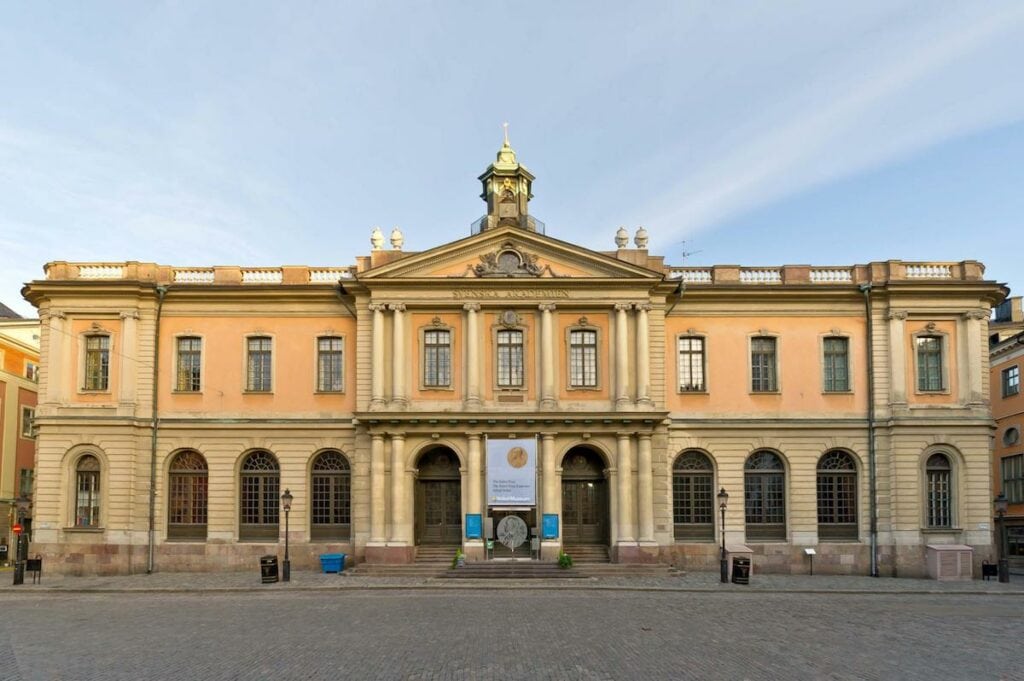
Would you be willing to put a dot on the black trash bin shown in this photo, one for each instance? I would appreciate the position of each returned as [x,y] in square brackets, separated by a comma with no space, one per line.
[740,570]
[268,569]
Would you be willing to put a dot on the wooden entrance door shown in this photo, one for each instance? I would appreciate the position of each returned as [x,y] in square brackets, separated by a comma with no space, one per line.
[439,498]
[584,498]
[439,514]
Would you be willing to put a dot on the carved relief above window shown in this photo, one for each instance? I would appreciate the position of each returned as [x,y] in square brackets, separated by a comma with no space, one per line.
[508,261]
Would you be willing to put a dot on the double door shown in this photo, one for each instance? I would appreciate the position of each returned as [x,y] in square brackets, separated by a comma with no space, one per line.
[585,511]
[439,512]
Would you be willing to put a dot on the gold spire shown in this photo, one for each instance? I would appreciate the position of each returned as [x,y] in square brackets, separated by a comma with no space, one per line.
[506,156]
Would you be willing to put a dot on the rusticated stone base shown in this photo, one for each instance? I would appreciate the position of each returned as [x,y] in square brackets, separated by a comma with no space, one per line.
[390,555]
[636,554]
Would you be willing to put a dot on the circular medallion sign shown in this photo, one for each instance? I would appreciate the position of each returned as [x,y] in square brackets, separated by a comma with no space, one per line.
[517,457]
[512,531]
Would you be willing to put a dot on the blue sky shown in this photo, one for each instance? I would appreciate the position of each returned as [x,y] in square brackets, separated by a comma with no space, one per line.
[280,133]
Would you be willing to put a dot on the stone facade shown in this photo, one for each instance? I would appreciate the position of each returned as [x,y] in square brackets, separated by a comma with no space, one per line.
[626,407]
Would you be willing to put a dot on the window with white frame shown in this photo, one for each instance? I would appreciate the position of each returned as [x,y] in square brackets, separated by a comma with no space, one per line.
[437,358]
[763,365]
[1013,478]
[939,481]
[691,364]
[97,362]
[31,371]
[28,415]
[510,358]
[87,492]
[837,364]
[929,364]
[259,365]
[1011,380]
[330,362]
[583,358]
[189,364]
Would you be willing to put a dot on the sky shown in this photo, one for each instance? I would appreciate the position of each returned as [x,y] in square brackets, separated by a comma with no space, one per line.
[754,133]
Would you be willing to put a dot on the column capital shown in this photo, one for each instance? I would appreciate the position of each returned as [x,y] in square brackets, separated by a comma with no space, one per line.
[396,307]
[399,437]
[624,435]
[898,314]
[474,435]
[548,436]
[546,307]
[43,316]
[377,437]
[471,307]
[130,314]
[377,307]
[643,307]
[623,307]
[644,436]
[976,314]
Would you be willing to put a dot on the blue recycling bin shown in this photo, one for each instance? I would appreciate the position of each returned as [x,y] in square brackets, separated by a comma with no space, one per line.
[332,562]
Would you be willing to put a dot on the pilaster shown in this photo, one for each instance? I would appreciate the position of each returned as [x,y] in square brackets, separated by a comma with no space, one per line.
[472,356]
[377,354]
[621,356]
[399,399]
[643,355]
[547,357]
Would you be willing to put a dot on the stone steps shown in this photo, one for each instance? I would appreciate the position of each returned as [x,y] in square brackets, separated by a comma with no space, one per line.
[512,570]
[587,553]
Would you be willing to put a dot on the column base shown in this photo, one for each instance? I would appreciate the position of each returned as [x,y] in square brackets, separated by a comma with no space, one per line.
[400,404]
[377,404]
[474,550]
[623,403]
[391,555]
[472,403]
[645,403]
[549,550]
[548,404]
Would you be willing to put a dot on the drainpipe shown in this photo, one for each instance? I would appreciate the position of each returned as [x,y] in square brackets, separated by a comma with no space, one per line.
[161,291]
[872,475]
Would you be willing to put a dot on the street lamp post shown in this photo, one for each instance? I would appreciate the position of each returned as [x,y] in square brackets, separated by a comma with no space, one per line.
[286,503]
[1002,505]
[723,501]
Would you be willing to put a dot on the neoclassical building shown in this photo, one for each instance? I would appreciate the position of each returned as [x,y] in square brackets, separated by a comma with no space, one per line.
[843,408]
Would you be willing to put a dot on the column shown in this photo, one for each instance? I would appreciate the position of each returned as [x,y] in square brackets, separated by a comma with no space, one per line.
[53,387]
[378,507]
[547,357]
[643,355]
[975,355]
[621,355]
[645,493]
[399,503]
[627,532]
[897,356]
[551,497]
[474,480]
[377,354]
[129,358]
[398,396]
[472,356]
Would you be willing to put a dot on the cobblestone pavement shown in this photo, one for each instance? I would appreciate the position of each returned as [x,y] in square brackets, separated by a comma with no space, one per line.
[303,580]
[473,634]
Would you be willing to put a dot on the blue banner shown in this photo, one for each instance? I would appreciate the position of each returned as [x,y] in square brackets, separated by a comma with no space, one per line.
[473,526]
[549,528]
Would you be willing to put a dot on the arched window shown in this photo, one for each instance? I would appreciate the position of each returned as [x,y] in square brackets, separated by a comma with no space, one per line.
[693,496]
[87,495]
[837,496]
[332,500]
[764,497]
[260,499]
[939,474]
[187,497]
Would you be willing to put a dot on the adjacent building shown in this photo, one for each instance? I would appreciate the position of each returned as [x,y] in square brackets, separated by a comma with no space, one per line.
[1008,454]
[19,371]
[843,408]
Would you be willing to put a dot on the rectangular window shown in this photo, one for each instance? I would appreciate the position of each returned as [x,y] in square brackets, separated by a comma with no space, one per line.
[762,365]
[28,415]
[259,364]
[97,362]
[582,359]
[510,358]
[437,358]
[25,476]
[1013,478]
[691,364]
[32,371]
[929,364]
[189,360]
[837,365]
[1011,381]
[330,360]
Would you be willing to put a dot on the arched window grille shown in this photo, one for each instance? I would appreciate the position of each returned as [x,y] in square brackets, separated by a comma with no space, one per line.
[837,496]
[939,474]
[187,497]
[693,496]
[87,494]
[764,497]
[260,498]
[332,497]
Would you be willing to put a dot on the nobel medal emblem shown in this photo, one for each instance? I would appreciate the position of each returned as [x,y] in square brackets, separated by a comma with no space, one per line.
[512,531]
[517,457]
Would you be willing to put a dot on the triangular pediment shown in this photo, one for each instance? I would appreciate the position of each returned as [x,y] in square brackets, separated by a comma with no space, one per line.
[509,253]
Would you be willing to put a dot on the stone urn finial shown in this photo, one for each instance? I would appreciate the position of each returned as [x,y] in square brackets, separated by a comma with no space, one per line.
[377,239]
[397,239]
[641,237]
[621,237]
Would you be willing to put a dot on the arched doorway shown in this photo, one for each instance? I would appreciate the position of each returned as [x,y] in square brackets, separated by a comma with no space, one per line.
[439,498]
[584,498]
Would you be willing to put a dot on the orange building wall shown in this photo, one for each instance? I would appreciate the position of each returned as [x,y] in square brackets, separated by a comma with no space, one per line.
[26,448]
[224,365]
[79,329]
[800,379]
[14,360]
[1009,413]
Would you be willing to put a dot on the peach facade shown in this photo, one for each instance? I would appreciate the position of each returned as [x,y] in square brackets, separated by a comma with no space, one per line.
[839,383]
[1008,453]
[19,360]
